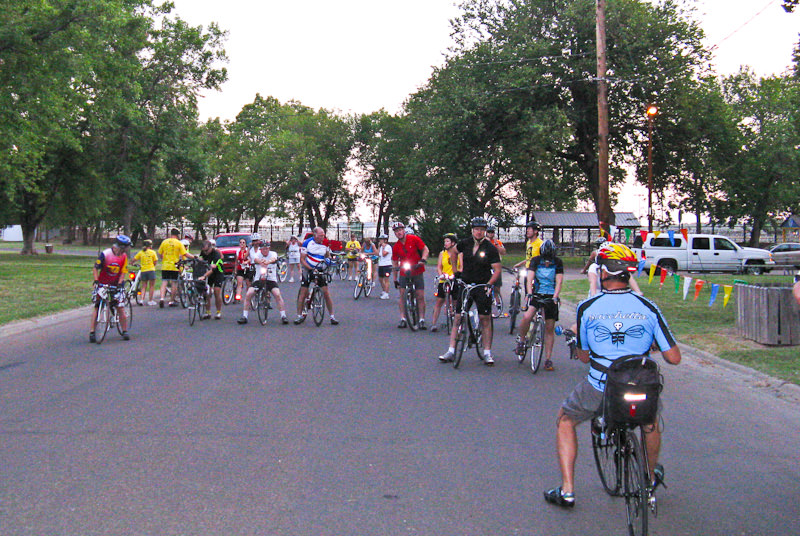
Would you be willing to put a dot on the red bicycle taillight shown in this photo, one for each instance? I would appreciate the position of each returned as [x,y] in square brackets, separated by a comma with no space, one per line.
[131,275]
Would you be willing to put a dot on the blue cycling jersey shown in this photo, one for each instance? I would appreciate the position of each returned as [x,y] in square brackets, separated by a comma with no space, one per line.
[545,271]
[619,323]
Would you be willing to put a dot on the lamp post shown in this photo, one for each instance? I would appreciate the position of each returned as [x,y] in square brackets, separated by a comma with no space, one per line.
[652,111]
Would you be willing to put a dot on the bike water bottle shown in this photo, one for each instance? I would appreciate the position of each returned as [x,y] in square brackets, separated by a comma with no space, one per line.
[559,330]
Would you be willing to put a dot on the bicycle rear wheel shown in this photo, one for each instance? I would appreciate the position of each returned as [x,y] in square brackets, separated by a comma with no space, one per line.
[228,290]
[635,482]
[368,284]
[103,321]
[536,334]
[359,286]
[183,291]
[606,458]
[448,312]
[461,342]
[342,271]
[497,303]
[410,309]
[317,306]
[513,309]
[263,305]
[136,291]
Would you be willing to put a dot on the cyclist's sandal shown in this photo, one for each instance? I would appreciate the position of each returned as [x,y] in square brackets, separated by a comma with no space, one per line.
[548,365]
[559,498]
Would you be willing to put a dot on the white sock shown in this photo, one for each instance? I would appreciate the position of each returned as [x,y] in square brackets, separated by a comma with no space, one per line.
[487,353]
[451,349]
[245,313]
[283,314]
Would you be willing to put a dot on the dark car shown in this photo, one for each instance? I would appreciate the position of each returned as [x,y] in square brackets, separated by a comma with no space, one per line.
[228,245]
[786,255]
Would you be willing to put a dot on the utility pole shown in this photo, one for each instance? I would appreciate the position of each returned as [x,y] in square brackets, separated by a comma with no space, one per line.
[604,214]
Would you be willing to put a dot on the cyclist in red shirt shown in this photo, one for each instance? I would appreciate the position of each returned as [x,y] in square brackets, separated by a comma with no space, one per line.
[412,250]
[110,269]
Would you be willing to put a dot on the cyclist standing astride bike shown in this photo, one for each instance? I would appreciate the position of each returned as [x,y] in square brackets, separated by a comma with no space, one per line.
[215,275]
[548,275]
[314,253]
[412,250]
[480,264]
[615,323]
[446,267]
[110,269]
[266,275]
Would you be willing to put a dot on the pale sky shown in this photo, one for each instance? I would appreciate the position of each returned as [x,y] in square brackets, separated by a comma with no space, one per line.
[358,56]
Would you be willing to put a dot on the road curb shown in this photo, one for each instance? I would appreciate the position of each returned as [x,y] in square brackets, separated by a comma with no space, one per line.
[31,324]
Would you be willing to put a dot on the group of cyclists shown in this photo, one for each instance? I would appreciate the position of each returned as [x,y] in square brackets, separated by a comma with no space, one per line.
[615,321]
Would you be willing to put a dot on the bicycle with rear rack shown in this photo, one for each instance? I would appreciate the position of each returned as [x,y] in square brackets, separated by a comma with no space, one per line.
[469,332]
[133,287]
[620,454]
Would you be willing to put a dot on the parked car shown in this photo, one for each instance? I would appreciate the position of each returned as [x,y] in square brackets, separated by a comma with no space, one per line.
[703,253]
[786,255]
[228,245]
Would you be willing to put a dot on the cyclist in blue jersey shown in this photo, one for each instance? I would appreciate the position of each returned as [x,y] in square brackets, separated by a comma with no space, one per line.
[615,323]
[548,275]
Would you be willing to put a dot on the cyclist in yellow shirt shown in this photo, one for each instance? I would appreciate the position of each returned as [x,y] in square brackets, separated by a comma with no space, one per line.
[171,251]
[147,259]
[353,248]
[447,266]
[532,246]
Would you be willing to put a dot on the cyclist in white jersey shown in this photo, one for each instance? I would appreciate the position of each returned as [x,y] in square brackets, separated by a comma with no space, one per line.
[314,253]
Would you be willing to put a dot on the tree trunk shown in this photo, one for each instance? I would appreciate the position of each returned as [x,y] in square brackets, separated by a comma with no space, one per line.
[28,236]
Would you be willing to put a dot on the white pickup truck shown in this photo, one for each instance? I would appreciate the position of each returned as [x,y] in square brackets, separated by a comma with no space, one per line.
[703,253]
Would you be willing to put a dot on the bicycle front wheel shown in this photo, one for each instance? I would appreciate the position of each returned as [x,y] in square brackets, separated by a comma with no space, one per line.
[606,458]
[448,313]
[103,321]
[461,342]
[283,269]
[410,309]
[513,310]
[263,306]
[359,287]
[228,290]
[343,271]
[317,306]
[497,303]
[191,305]
[476,330]
[537,343]
[635,482]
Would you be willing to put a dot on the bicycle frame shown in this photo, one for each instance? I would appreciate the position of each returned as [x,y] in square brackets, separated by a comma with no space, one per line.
[473,332]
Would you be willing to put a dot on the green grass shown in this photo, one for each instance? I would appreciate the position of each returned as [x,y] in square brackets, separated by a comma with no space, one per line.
[713,328]
[34,285]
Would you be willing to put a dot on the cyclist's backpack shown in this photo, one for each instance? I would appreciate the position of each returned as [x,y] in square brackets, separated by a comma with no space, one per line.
[633,384]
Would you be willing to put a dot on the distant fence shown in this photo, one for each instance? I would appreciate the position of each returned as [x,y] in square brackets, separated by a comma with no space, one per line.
[768,314]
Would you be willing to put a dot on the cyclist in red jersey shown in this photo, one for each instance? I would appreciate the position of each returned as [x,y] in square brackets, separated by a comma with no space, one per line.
[412,250]
[110,269]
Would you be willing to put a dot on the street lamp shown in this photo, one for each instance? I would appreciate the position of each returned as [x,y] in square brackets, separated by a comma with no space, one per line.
[652,111]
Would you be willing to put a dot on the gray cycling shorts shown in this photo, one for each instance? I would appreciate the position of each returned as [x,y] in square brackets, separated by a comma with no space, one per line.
[583,403]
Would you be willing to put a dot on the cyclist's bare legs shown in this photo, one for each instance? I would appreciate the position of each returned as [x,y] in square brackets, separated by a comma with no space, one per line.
[454,331]
[421,302]
[652,443]
[328,301]
[486,325]
[525,323]
[123,319]
[401,300]
[279,299]
[437,309]
[301,299]
[549,337]
[218,298]
[567,440]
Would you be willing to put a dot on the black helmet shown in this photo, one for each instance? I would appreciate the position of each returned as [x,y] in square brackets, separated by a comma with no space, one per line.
[548,249]
[533,224]
[478,221]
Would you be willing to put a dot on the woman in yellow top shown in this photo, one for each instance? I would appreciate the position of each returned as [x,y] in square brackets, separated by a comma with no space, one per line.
[532,246]
[147,259]
[353,248]
[448,259]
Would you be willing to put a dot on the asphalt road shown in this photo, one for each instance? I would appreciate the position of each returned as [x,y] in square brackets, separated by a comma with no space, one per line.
[354,429]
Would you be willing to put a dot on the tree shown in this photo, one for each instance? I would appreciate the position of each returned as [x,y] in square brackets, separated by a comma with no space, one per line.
[765,182]
[516,101]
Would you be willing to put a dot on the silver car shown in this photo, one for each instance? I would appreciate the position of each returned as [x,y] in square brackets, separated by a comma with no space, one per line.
[786,255]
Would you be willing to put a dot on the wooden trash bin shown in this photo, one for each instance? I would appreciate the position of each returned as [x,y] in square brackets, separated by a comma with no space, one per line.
[768,314]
